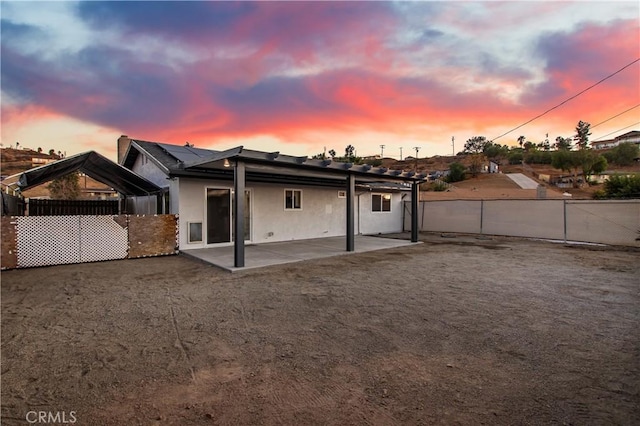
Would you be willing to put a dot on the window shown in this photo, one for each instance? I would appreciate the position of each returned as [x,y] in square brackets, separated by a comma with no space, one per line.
[381,202]
[195,232]
[292,199]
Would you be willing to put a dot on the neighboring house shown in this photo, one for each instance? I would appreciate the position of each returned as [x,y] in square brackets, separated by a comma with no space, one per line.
[282,197]
[492,167]
[629,137]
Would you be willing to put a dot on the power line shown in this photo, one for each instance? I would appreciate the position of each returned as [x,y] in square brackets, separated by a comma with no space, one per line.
[618,115]
[567,100]
[615,131]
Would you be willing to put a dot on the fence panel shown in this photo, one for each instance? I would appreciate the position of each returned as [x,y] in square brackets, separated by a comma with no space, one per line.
[102,238]
[448,216]
[524,218]
[47,240]
[8,253]
[615,222]
[12,205]
[38,207]
[155,235]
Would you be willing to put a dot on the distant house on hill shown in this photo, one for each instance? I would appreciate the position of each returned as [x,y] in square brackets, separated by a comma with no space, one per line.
[629,137]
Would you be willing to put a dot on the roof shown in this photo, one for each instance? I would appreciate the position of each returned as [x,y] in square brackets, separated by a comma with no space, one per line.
[94,165]
[177,160]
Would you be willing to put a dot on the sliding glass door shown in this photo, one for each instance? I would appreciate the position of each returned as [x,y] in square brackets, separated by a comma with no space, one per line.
[219,216]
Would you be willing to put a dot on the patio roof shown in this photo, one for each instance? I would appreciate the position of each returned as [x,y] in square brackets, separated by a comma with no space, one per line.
[261,166]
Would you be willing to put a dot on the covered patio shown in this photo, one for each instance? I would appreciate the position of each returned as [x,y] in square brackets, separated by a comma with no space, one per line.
[261,255]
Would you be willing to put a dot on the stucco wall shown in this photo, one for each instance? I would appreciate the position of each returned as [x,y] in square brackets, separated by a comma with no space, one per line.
[150,171]
[598,221]
[323,213]
[371,222]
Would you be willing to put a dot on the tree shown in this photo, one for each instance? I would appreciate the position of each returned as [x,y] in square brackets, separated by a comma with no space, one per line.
[66,187]
[475,166]
[521,140]
[591,163]
[456,172]
[623,154]
[567,161]
[563,143]
[584,162]
[475,145]
[582,134]
[52,152]
[332,153]
[496,151]
[349,151]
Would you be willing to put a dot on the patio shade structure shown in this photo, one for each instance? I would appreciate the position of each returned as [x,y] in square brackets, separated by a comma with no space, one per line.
[244,165]
[94,165]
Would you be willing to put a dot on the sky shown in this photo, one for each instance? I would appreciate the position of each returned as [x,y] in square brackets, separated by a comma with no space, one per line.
[304,77]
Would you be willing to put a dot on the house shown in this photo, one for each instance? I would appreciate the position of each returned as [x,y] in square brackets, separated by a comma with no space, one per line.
[267,196]
[629,137]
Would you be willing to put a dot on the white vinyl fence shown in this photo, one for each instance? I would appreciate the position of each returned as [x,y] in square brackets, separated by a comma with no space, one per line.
[614,222]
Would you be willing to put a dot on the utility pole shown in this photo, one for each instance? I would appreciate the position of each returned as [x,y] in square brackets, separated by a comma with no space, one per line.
[417,148]
[381,151]
[453,146]
[401,154]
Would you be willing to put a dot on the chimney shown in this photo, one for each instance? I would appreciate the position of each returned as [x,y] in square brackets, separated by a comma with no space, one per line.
[123,146]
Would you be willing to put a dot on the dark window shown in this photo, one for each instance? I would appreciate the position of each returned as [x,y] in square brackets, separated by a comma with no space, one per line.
[381,202]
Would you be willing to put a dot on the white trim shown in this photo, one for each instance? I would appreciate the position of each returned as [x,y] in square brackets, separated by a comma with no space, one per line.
[293,208]
[189,241]
[382,195]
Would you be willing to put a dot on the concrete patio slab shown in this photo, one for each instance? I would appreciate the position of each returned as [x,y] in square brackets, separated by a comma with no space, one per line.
[261,255]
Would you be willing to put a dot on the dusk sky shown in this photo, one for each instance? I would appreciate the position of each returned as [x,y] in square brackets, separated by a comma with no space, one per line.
[297,77]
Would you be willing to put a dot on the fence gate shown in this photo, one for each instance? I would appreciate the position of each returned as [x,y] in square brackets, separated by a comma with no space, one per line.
[55,240]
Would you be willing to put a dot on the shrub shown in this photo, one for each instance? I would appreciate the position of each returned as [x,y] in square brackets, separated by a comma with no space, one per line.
[623,186]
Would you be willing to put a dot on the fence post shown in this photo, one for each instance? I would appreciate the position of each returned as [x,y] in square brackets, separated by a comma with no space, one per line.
[481,216]
[564,210]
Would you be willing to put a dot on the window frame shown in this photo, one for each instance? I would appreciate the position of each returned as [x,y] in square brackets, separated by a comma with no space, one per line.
[293,199]
[381,205]
[189,240]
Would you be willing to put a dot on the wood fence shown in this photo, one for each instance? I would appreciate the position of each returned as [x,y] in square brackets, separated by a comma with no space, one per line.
[38,207]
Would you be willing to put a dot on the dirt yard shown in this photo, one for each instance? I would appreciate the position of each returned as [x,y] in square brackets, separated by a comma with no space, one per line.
[455,331]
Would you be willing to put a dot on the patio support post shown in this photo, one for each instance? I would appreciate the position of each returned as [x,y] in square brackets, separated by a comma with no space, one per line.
[238,214]
[414,212]
[351,192]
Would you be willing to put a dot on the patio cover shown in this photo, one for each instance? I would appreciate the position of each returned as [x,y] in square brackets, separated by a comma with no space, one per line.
[94,165]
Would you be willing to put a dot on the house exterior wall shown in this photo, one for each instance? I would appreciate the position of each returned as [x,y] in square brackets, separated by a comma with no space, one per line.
[370,222]
[323,212]
[144,167]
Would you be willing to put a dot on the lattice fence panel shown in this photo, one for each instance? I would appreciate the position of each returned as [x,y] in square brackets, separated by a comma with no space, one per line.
[102,238]
[47,240]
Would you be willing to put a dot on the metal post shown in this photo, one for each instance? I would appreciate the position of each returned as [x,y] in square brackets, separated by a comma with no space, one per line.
[564,207]
[481,215]
[414,212]
[238,214]
[351,191]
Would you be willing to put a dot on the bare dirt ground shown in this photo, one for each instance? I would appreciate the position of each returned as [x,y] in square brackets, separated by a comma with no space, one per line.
[455,331]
